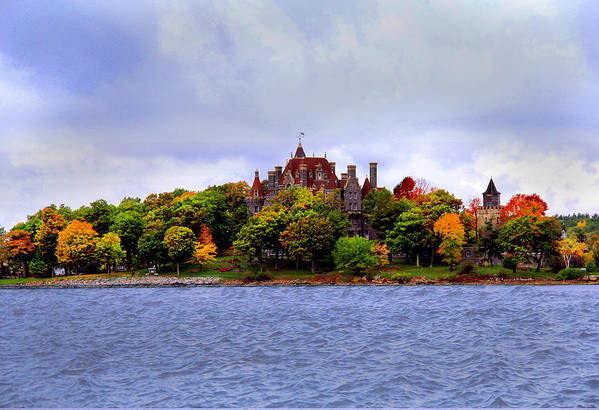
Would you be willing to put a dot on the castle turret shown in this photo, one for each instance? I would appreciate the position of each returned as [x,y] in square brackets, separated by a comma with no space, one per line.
[491,197]
[299,152]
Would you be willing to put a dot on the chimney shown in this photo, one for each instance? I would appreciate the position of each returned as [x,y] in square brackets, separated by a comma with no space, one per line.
[332,164]
[271,179]
[278,173]
[303,175]
[373,175]
[351,171]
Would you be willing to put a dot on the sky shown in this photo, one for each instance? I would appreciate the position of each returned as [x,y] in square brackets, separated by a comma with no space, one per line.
[110,99]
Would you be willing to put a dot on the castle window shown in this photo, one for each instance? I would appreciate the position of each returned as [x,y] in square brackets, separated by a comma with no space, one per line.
[319,175]
[255,209]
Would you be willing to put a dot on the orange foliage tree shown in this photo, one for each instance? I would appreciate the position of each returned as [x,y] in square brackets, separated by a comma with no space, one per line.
[19,247]
[452,234]
[523,205]
[381,253]
[205,249]
[76,244]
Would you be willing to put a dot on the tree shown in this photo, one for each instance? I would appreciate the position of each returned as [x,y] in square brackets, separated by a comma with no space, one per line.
[472,210]
[381,210]
[37,266]
[523,205]
[381,254]
[46,238]
[108,249]
[409,234]
[100,215]
[516,237]
[354,254]
[20,248]
[180,244]
[411,188]
[489,242]
[545,234]
[128,225]
[310,236]
[569,247]
[451,231]
[151,248]
[76,244]
[205,249]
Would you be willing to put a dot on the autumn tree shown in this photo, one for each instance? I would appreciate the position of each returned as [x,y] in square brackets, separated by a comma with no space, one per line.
[569,247]
[523,205]
[411,188]
[46,238]
[451,231]
[472,210]
[76,244]
[19,247]
[381,253]
[180,244]
[108,249]
[205,249]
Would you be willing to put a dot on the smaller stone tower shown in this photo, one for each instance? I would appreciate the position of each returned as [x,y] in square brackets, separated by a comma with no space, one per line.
[491,209]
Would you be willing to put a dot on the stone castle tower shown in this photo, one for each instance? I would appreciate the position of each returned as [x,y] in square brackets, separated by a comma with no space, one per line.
[491,206]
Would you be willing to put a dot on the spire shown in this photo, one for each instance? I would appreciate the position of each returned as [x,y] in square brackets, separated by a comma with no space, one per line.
[256,190]
[299,152]
[491,188]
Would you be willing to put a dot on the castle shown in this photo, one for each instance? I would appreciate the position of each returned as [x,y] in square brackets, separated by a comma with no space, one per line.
[318,175]
[491,208]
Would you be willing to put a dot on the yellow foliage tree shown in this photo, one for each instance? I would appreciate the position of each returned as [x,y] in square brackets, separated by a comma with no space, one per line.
[451,230]
[569,247]
[76,244]
[205,249]
[381,253]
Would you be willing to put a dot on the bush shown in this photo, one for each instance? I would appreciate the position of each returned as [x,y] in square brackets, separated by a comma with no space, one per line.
[400,277]
[570,274]
[38,267]
[256,277]
[509,263]
[354,254]
[591,267]
[466,268]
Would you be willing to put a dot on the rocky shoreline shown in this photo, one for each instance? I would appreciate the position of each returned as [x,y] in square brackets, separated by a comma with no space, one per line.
[333,280]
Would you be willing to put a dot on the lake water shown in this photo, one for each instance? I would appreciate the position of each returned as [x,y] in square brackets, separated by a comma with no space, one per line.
[306,346]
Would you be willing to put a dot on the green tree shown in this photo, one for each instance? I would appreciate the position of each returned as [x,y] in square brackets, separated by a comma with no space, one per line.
[515,236]
[151,248]
[489,242]
[108,249]
[381,210]
[37,266]
[409,234]
[100,215]
[354,254]
[129,226]
[545,234]
[180,244]
[310,236]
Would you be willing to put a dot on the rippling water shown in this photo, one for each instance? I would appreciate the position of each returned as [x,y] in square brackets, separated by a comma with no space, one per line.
[307,347]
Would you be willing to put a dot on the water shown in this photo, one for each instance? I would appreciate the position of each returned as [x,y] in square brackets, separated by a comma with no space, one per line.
[326,346]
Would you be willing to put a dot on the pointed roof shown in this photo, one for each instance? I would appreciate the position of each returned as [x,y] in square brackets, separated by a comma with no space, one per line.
[491,188]
[299,152]
[256,186]
[366,187]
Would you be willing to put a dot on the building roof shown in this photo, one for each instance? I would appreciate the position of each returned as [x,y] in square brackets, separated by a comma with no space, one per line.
[299,152]
[491,189]
[366,187]
[313,165]
[256,186]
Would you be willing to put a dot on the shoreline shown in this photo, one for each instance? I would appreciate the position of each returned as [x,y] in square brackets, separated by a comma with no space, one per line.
[174,282]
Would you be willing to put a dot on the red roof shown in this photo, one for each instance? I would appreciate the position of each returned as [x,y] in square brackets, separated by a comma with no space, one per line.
[366,188]
[257,186]
[312,163]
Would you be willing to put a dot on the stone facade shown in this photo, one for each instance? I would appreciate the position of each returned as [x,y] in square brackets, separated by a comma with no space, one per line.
[317,174]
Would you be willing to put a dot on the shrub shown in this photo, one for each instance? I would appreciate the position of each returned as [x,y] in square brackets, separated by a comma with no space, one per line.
[354,254]
[509,263]
[591,267]
[38,267]
[400,277]
[466,268]
[570,274]
[248,277]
